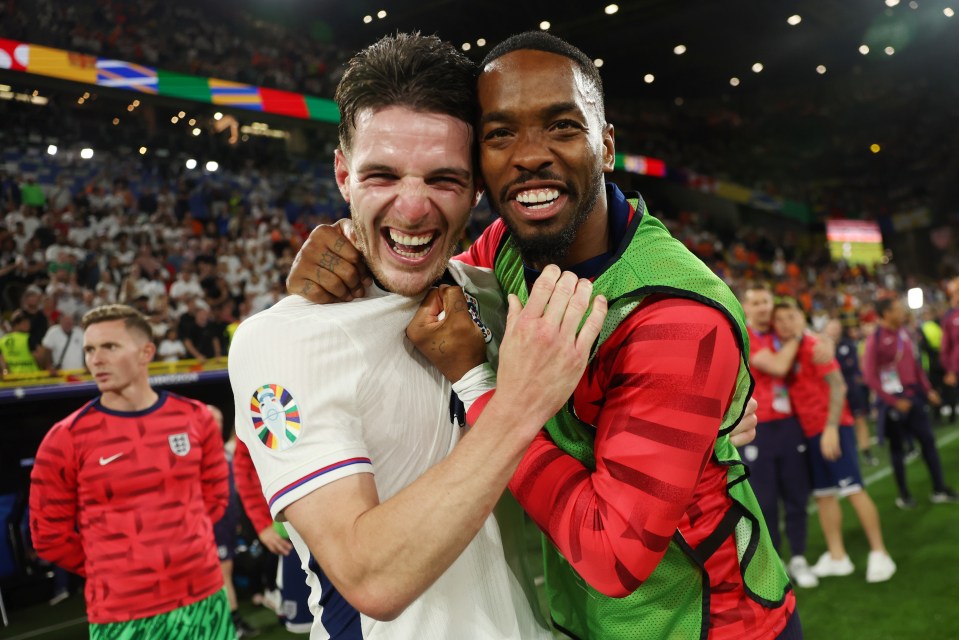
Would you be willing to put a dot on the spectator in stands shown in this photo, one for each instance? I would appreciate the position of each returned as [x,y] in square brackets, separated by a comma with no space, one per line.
[186,284]
[949,350]
[201,337]
[62,346]
[171,348]
[778,464]
[819,396]
[124,492]
[16,356]
[891,369]
[31,304]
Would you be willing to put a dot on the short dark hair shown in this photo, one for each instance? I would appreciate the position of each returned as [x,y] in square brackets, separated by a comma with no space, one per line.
[785,302]
[421,73]
[132,319]
[883,305]
[543,41]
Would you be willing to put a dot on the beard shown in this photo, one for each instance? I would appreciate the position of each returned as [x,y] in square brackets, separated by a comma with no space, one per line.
[551,246]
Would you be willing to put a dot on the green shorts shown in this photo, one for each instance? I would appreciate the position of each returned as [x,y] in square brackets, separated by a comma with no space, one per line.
[208,619]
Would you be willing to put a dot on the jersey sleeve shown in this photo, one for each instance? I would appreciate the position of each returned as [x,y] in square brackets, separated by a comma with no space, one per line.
[482,253]
[666,381]
[214,474]
[53,502]
[248,488]
[295,382]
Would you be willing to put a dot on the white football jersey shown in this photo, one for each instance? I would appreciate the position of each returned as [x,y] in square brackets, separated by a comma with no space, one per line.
[326,391]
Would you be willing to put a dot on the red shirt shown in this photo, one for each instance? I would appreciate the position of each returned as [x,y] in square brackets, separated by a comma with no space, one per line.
[888,349]
[766,385]
[127,499]
[655,393]
[249,489]
[809,391]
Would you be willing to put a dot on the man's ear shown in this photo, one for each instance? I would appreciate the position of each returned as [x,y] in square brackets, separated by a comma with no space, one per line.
[609,148]
[149,351]
[341,169]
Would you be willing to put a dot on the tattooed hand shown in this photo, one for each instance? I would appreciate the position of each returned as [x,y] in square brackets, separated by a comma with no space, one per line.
[328,268]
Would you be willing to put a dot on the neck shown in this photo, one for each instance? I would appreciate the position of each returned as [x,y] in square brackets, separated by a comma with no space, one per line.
[592,237]
[890,326]
[136,397]
[762,327]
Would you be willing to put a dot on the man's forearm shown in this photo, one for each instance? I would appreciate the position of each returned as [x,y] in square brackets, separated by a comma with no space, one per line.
[391,553]
[837,396]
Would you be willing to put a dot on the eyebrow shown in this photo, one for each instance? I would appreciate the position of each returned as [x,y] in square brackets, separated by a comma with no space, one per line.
[440,171]
[550,111]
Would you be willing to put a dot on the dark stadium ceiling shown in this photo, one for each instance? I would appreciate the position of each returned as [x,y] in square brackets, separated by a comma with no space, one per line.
[723,38]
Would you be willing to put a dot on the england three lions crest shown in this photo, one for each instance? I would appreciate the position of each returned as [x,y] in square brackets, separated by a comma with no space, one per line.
[473,306]
[180,444]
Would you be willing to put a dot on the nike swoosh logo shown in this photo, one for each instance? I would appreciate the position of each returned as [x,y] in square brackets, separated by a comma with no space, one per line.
[104,461]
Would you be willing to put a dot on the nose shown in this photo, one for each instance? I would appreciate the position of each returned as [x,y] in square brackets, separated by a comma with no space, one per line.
[531,152]
[413,200]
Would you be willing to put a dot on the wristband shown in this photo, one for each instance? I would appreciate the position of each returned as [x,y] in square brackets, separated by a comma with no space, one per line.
[475,383]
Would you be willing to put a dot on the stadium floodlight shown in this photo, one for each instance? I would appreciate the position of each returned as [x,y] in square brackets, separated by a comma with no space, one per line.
[598,62]
[948,12]
[863,49]
[821,69]
[914,298]
[212,166]
[889,50]
[892,3]
[794,19]
[649,78]
[191,164]
[196,131]
[734,81]
[679,49]
[217,116]
[143,151]
[611,9]
[381,14]
[545,25]
[757,67]
[467,46]
[367,19]
[481,42]
[86,153]
[52,149]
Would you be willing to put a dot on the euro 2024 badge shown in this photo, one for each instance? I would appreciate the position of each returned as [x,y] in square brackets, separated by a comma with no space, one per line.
[276,417]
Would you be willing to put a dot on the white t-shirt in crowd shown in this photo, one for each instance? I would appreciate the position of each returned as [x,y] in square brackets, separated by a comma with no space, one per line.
[56,340]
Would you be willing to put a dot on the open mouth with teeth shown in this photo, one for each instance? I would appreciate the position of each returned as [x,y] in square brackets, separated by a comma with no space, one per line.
[409,245]
[535,199]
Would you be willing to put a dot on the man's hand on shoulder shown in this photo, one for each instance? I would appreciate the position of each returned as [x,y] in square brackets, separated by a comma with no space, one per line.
[328,268]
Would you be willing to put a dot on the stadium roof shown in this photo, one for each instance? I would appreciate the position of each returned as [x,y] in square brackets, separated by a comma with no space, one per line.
[723,39]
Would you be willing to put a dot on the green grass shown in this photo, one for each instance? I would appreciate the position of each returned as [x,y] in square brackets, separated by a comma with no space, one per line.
[921,602]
